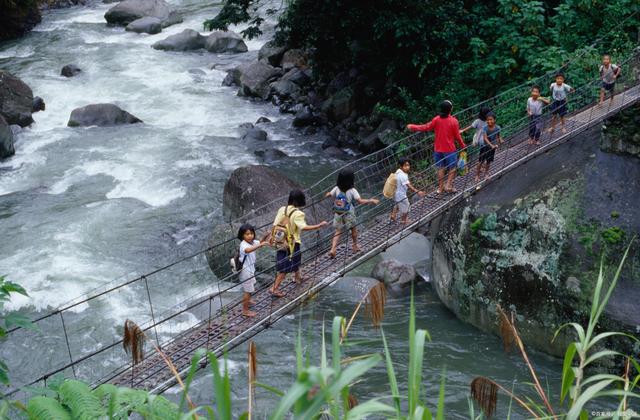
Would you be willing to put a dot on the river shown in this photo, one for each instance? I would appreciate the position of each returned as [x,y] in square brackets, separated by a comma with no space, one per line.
[82,207]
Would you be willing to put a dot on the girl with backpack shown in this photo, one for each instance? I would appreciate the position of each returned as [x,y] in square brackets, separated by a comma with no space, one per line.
[246,264]
[478,124]
[344,198]
[285,236]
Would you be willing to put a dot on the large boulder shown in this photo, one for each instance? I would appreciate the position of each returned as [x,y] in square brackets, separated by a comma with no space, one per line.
[18,18]
[531,242]
[340,106]
[250,187]
[271,53]
[100,115]
[6,139]
[255,79]
[298,76]
[394,274]
[70,70]
[255,134]
[186,40]
[293,58]
[145,25]
[128,11]
[225,42]
[381,136]
[285,89]
[16,100]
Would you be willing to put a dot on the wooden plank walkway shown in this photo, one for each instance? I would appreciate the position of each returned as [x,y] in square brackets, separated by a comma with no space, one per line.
[227,328]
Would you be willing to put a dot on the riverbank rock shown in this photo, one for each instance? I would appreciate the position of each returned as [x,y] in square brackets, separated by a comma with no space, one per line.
[38,105]
[377,140]
[254,134]
[394,274]
[531,242]
[270,155]
[340,106]
[128,11]
[60,4]
[271,53]
[70,70]
[18,18]
[186,40]
[293,58]
[16,100]
[6,140]
[146,25]
[255,78]
[225,42]
[100,115]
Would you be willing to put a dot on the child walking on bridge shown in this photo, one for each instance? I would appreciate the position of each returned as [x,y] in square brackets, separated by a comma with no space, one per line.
[559,91]
[247,260]
[344,198]
[402,205]
[535,104]
[608,73]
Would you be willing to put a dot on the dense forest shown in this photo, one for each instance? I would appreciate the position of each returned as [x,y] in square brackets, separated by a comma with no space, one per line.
[409,54]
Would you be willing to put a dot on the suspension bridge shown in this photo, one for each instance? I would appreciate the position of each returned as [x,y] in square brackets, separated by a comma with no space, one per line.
[211,318]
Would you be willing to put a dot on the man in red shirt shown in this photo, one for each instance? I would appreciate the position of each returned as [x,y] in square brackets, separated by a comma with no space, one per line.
[447,133]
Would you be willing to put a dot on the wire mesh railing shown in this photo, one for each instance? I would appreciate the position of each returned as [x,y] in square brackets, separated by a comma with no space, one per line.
[76,344]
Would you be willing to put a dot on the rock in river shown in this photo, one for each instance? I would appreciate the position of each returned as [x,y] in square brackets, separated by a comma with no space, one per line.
[16,100]
[145,25]
[225,42]
[100,115]
[186,40]
[6,139]
[127,11]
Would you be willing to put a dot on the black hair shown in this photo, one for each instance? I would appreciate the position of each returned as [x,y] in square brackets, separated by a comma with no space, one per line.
[492,115]
[244,228]
[402,161]
[297,199]
[484,111]
[559,75]
[345,180]
[535,87]
[445,108]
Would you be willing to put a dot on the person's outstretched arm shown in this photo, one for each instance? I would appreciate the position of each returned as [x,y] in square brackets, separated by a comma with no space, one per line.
[368,201]
[421,127]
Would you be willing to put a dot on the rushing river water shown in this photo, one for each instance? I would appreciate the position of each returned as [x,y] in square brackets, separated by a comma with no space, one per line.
[86,206]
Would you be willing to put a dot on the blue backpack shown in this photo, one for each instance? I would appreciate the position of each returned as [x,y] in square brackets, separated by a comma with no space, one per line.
[340,204]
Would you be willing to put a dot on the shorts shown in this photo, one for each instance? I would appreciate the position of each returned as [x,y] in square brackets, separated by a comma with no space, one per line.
[608,86]
[535,126]
[447,160]
[487,154]
[559,107]
[286,263]
[248,281]
[403,206]
[344,221]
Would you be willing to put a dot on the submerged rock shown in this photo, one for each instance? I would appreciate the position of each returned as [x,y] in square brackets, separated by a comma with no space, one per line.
[100,115]
[186,40]
[225,42]
[6,139]
[255,134]
[38,105]
[70,70]
[128,11]
[146,25]
[16,100]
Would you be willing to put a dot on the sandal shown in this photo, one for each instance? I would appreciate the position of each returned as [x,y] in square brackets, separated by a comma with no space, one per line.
[276,293]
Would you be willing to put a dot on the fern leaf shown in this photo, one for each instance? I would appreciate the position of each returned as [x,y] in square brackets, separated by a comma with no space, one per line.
[45,408]
[83,404]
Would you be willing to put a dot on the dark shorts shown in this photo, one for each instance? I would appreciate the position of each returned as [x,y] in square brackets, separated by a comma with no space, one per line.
[608,86]
[447,160]
[487,153]
[535,126]
[559,107]
[286,263]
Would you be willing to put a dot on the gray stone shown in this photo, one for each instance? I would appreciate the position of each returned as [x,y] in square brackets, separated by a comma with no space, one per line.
[340,106]
[376,140]
[100,115]
[6,140]
[285,89]
[70,70]
[271,53]
[263,120]
[335,152]
[16,100]
[394,273]
[255,78]
[293,58]
[186,40]
[61,4]
[225,42]
[304,118]
[232,78]
[145,25]
[255,134]
[298,76]
[270,155]
[128,11]
[38,104]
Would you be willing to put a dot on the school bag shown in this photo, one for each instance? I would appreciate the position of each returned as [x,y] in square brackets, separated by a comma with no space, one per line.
[390,186]
[282,234]
[341,204]
[237,263]
[462,164]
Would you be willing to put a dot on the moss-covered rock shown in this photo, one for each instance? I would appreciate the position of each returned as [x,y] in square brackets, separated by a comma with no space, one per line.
[532,240]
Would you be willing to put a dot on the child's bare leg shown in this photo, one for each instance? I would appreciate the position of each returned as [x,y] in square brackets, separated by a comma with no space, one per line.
[246,298]
[564,130]
[553,124]
[440,180]
[405,218]
[334,244]
[478,171]
[450,178]
[354,238]
[279,278]
[486,170]
[393,213]
[601,95]
[297,277]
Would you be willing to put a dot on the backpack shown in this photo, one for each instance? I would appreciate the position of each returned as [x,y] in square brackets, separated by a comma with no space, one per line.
[236,263]
[282,234]
[462,164]
[390,186]
[341,204]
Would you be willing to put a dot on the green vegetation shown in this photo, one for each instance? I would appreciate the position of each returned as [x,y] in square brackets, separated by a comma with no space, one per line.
[613,235]
[615,214]
[477,225]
